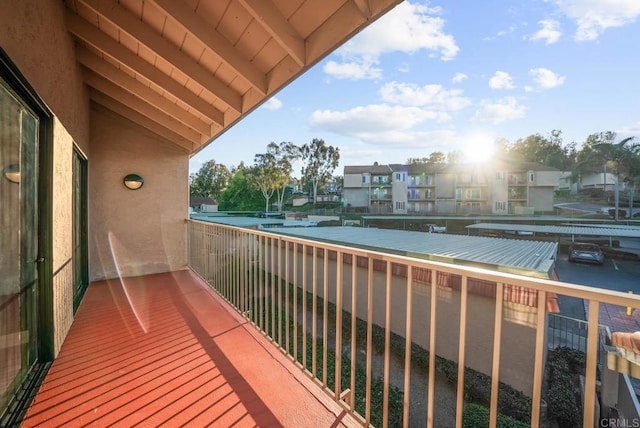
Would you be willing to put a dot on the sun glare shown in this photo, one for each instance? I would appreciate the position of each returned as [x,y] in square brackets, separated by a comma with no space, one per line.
[478,148]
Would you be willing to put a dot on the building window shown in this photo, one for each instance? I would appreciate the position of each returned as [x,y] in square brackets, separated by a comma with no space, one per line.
[365,179]
[400,205]
[500,175]
[400,176]
[501,206]
[531,177]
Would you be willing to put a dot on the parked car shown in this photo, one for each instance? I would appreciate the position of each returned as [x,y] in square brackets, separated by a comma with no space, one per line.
[434,228]
[585,252]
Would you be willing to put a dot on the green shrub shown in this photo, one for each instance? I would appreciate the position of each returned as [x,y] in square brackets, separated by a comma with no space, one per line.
[477,416]
[564,364]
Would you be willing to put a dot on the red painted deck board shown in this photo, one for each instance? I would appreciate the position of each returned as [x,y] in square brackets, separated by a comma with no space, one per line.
[165,350]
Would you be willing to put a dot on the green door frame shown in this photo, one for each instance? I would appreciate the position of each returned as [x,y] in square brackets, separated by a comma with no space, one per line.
[80,227]
[19,84]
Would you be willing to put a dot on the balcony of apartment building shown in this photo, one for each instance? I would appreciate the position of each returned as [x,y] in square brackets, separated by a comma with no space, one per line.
[259,331]
[466,180]
[187,323]
[416,195]
[421,181]
[381,180]
[517,179]
[517,194]
[471,195]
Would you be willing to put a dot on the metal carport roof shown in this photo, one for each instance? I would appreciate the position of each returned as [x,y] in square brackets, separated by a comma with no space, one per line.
[560,230]
[532,258]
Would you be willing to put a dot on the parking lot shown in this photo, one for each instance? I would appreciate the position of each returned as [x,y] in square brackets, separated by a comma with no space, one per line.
[614,274]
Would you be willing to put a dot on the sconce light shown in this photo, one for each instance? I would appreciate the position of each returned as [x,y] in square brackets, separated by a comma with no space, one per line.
[12,173]
[133,181]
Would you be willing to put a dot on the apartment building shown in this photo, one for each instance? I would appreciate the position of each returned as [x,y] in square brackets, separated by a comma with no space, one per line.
[499,188]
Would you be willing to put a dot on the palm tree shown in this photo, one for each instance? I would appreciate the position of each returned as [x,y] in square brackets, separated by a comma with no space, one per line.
[621,159]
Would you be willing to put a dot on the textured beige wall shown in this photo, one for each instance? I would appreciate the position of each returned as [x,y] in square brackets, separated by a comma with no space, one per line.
[34,35]
[135,232]
[62,233]
[62,191]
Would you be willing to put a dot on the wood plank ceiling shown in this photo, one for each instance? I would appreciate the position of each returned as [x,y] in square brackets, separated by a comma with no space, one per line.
[190,69]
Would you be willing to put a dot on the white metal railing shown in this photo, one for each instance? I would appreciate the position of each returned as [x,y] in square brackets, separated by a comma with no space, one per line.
[302,295]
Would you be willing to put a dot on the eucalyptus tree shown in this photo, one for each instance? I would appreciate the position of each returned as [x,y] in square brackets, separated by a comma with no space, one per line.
[319,162]
[265,175]
[273,170]
[285,155]
[210,180]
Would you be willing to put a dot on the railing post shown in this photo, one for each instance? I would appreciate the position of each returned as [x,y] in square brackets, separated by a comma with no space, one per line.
[432,349]
[461,352]
[592,361]
[539,359]
[495,371]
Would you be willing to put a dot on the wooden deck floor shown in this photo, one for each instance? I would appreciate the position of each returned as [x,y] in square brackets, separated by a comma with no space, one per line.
[165,350]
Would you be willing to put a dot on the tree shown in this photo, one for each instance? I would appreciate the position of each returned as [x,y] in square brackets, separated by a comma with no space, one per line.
[435,158]
[240,194]
[320,160]
[265,175]
[210,180]
[600,153]
[542,150]
[284,155]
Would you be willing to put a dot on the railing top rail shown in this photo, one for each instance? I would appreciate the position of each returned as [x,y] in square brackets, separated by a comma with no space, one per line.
[548,285]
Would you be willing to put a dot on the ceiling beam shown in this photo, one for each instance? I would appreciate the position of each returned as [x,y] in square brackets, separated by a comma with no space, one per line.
[266,13]
[109,103]
[122,79]
[92,36]
[124,97]
[148,37]
[195,25]
[364,7]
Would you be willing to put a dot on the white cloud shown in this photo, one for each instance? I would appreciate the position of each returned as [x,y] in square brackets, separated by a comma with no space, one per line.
[459,77]
[504,109]
[372,119]
[354,70]
[632,130]
[545,78]
[502,33]
[430,96]
[272,104]
[501,80]
[549,31]
[593,17]
[409,139]
[407,28]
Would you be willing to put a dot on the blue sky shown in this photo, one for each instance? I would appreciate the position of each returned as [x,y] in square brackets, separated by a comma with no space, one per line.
[455,75]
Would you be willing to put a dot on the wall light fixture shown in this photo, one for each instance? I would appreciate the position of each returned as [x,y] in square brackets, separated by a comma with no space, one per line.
[133,181]
[12,173]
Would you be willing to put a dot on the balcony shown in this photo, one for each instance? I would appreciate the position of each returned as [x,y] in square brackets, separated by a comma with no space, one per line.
[166,350]
[274,334]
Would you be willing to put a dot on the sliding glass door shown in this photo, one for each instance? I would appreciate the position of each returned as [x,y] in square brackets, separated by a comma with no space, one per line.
[80,244]
[19,130]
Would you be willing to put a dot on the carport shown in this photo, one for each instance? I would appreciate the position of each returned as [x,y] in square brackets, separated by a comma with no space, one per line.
[608,231]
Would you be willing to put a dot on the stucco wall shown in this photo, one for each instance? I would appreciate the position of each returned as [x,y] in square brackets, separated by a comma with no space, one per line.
[34,35]
[541,198]
[135,232]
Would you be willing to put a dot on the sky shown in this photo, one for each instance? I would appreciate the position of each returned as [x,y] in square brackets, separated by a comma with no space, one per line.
[457,75]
